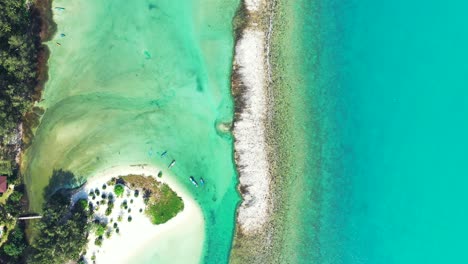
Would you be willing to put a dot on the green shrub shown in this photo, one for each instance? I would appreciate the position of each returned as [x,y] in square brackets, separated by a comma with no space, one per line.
[98,241]
[110,206]
[83,203]
[15,196]
[16,243]
[118,190]
[100,230]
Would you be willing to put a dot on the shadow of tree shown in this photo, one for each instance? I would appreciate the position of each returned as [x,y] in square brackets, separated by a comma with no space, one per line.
[62,179]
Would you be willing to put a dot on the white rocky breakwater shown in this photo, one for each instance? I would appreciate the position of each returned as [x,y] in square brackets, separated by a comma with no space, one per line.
[249,128]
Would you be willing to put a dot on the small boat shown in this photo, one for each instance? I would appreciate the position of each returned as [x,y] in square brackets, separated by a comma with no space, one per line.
[172,164]
[164,154]
[60,8]
[62,35]
[193,181]
[202,181]
[58,44]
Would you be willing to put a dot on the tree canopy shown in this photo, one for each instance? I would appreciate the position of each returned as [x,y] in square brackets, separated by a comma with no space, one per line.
[63,231]
[19,46]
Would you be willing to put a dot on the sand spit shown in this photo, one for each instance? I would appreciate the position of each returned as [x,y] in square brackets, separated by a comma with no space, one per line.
[180,240]
[250,86]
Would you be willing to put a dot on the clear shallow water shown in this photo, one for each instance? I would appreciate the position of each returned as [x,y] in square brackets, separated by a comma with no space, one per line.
[132,79]
[385,180]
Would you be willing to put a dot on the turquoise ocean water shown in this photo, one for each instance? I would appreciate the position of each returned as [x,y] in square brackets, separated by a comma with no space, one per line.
[388,88]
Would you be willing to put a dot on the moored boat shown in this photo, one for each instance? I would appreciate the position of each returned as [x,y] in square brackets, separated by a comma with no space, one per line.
[193,181]
[172,164]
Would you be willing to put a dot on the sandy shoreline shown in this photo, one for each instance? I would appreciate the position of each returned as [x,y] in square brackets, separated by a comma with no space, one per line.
[180,240]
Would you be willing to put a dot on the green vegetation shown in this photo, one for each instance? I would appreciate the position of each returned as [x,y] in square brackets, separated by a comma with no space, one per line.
[83,203]
[11,206]
[110,207]
[98,241]
[5,167]
[162,202]
[100,229]
[62,232]
[19,48]
[118,190]
[168,206]
[16,245]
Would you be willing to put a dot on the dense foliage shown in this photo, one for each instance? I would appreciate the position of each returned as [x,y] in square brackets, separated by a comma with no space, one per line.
[11,206]
[162,202]
[19,46]
[19,49]
[63,231]
[16,245]
[168,206]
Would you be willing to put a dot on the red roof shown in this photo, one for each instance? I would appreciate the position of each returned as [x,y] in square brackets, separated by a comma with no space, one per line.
[3,184]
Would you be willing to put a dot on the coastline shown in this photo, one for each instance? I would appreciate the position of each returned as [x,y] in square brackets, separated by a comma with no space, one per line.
[187,227]
[45,30]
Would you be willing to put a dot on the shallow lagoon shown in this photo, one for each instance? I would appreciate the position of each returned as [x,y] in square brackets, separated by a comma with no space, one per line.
[131,79]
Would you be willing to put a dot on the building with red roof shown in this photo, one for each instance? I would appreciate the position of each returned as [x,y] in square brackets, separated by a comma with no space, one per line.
[3,184]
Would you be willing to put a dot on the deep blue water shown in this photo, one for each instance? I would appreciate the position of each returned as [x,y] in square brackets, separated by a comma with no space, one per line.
[390,90]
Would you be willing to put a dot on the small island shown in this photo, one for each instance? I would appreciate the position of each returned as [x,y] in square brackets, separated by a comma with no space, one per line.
[95,222]
[122,204]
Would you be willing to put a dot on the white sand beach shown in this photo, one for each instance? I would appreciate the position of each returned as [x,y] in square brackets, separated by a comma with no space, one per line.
[180,240]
